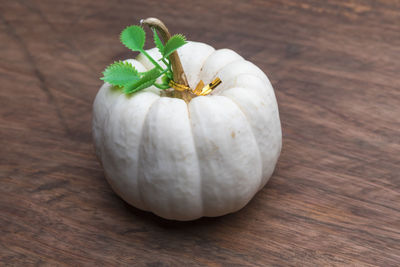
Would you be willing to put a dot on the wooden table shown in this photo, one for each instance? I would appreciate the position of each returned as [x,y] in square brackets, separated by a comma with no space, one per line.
[334,198]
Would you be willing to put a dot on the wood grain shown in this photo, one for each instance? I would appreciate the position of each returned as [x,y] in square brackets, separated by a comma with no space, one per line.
[334,199]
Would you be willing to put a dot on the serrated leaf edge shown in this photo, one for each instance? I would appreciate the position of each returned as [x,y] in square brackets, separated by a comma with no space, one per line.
[144,39]
[172,39]
[118,65]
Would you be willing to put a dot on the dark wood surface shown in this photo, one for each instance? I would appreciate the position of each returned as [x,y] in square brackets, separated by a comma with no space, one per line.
[334,198]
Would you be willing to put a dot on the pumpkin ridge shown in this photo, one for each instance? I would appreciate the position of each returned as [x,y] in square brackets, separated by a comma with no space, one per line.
[239,67]
[197,157]
[222,88]
[202,66]
[212,56]
[139,182]
[252,134]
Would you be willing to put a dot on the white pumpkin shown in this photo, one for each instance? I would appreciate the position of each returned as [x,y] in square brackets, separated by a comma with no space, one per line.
[180,160]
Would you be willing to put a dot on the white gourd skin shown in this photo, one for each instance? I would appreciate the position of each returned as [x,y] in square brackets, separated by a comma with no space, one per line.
[184,161]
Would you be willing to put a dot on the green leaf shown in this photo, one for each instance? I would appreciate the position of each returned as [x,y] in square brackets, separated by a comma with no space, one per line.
[134,88]
[120,74]
[147,79]
[151,74]
[133,37]
[158,42]
[173,43]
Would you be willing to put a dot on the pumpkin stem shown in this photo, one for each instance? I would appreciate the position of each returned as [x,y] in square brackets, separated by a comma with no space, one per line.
[177,69]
